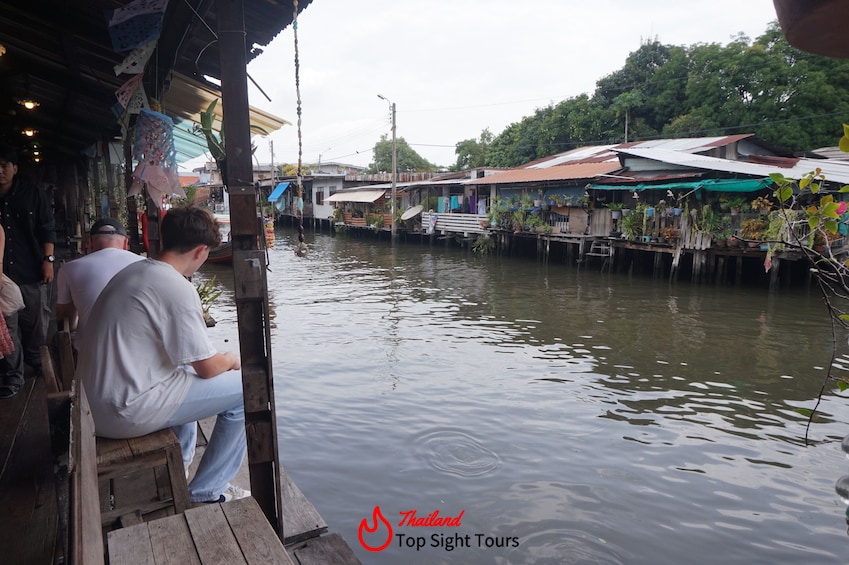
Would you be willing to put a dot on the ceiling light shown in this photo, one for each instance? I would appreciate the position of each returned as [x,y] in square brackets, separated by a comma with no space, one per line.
[29,132]
[28,103]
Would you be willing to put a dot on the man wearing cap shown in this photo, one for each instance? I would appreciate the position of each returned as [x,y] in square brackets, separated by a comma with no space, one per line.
[147,362]
[80,281]
[25,213]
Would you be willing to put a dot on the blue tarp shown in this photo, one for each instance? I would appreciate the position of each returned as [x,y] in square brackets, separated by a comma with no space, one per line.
[278,191]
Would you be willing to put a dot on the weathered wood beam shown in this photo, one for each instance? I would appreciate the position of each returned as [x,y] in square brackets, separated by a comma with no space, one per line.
[249,267]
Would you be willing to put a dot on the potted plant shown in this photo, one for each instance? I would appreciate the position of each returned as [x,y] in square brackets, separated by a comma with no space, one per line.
[538,200]
[377,221]
[737,204]
[630,225]
[671,234]
[519,218]
[761,204]
[752,230]
[722,236]
[615,209]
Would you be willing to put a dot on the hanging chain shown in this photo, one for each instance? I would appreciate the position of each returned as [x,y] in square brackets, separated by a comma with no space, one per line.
[301,248]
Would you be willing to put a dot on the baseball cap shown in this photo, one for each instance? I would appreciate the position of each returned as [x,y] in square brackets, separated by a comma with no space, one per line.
[108,226]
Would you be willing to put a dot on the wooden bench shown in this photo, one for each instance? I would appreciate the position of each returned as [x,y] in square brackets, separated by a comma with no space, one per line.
[229,532]
[158,455]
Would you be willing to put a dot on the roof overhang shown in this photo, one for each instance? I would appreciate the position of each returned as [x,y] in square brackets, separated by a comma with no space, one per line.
[187,98]
[356,196]
[571,172]
[59,52]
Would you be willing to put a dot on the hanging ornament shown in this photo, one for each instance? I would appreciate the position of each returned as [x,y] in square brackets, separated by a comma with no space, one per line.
[135,62]
[137,8]
[127,90]
[157,157]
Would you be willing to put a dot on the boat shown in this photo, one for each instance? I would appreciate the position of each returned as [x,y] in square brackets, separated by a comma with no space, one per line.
[221,254]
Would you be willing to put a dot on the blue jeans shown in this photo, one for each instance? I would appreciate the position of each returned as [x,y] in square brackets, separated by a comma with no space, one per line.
[221,396]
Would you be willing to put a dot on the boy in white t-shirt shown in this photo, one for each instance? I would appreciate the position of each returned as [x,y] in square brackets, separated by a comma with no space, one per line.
[148,364]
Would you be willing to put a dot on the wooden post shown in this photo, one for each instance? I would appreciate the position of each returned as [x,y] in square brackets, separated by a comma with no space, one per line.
[249,267]
[132,209]
[773,278]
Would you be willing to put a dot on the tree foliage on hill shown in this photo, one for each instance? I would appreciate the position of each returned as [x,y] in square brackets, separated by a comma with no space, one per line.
[765,87]
[471,153]
[408,159]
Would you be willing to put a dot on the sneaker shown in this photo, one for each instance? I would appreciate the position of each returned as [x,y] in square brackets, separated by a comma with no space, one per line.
[8,391]
[233,493]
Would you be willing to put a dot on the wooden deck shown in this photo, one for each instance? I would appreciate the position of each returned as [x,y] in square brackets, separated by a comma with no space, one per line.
[29,501]
[28,497]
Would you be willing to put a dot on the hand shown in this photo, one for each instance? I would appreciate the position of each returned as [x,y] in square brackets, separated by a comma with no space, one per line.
[236,362]
[46,272]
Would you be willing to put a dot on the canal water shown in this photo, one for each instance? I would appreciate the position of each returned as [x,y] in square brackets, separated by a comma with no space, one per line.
[557,415]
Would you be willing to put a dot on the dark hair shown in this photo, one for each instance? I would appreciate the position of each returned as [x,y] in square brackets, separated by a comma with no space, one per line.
[8,154]
[186,227]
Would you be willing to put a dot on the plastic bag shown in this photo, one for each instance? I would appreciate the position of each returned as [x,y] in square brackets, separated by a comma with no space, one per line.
[11,299]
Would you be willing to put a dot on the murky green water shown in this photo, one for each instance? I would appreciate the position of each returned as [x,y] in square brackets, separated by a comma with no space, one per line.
[586,417]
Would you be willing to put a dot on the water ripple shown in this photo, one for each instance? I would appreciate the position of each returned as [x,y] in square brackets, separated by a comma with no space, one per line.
[560,545]
[455,452]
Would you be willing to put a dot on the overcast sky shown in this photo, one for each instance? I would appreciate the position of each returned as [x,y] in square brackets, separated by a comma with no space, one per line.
[455,67]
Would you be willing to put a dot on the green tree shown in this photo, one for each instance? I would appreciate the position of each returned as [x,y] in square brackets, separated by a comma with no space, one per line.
[766,87]
[471,153]
[408,159]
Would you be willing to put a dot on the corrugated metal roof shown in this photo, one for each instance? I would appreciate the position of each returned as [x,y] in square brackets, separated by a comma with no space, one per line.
[604,153]
[836,171]
[561,172]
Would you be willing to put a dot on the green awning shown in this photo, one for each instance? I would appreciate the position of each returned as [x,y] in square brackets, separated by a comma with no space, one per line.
[713,185]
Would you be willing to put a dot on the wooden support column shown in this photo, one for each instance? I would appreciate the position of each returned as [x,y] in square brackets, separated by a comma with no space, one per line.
[249,268]
[132,209]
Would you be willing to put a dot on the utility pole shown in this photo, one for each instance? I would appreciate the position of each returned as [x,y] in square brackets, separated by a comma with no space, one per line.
[394,164]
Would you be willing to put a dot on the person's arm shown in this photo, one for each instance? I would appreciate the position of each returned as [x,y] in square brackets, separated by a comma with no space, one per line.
[67,312]
[46,234]
[217,364]
[47,271]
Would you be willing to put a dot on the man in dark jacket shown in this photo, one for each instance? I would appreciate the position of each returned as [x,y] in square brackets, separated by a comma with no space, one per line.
[25,213]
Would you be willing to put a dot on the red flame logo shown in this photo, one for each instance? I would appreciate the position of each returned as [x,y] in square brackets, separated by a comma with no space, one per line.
[376,515]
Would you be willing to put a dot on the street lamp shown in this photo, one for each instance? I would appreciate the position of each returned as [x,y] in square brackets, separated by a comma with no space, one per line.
[394,161]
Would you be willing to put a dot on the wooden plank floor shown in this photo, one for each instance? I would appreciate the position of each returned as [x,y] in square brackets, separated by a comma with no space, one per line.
[29,511]
[28,504]
[301,521]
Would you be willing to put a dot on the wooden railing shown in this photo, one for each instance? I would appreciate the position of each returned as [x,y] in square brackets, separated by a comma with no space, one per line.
[350,220]
[453,223]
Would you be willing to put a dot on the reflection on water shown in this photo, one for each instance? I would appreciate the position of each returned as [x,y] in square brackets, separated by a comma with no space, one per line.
[600,418]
